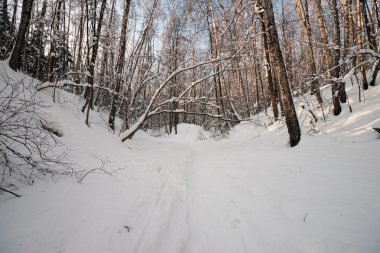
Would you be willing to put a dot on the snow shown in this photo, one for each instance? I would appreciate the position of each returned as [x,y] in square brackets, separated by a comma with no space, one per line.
[36,157]
[248,192]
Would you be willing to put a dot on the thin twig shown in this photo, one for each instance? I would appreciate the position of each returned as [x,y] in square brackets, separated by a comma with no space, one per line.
[1,188]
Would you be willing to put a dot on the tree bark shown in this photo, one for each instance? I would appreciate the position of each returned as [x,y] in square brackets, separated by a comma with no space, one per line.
[337,43]
[37,72]
[91,67]
[119,65]
[279,66]
[14,15]
[215,53]
[268,69]
[81,25]
[347,43]
[14,62]
[360,39]
[306,23]
[328,56]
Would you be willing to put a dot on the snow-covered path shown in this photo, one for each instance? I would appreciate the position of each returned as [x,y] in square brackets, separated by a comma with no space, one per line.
[197,196]
[248,192]
[192,204]
[232,197]
[170,214]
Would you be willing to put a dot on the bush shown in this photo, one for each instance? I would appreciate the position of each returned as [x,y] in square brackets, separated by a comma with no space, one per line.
[28,146]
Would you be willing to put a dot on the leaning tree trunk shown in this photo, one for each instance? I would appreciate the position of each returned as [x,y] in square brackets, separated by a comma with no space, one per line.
[14,62]
[279,67]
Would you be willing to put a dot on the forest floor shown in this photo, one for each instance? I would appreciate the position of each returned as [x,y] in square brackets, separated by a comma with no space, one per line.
[246,192]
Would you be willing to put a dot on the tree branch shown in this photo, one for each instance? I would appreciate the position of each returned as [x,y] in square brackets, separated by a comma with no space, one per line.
[1,188]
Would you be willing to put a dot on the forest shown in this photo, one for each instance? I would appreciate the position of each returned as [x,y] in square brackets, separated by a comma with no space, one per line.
[211,63]
[228,119]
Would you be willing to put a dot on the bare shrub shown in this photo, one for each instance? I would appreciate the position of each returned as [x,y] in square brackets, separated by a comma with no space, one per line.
[28,149]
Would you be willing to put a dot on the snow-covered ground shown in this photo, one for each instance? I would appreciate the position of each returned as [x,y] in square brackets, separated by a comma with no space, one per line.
[248,192]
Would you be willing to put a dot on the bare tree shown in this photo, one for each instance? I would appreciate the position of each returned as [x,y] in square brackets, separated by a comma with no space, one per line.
[268,69]
[332,72]
[91,66]
[279,68]
[119,65]
[313,67]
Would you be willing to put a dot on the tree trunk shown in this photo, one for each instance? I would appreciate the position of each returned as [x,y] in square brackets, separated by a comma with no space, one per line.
[347,43]
[306,23]
[79,55]
[328,56]
[55,26]
[279,66]
[14,16]
[37,72]
[91,67]
[6,31]
[268,70]
[369,26]
[360,40]
[104,69]
[119,66]
[375,72]
[215,53]
[337,43]
[14,62]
